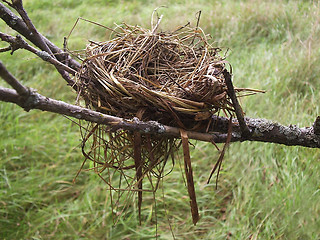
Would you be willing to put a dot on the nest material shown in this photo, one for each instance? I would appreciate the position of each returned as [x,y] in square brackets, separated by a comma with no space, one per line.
[174,78]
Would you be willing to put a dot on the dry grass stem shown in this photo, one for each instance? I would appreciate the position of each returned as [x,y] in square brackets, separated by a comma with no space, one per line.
[174,78]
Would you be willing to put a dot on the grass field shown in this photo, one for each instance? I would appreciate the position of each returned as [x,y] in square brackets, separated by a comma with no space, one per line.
[265,191]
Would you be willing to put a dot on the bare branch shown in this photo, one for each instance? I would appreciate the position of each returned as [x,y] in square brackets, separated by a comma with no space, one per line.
[263,130]
[10,79]
[18,25]
[17,42]
[6,49]
[18,5]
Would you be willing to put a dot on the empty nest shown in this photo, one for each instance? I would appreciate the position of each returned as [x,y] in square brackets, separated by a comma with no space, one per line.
[174,78]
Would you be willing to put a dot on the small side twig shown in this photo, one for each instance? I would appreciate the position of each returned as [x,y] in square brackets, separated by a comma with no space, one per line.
[245,131]
[316,126]
[19,25]
[18,5]
[12,81]
[18,43]
[6,49]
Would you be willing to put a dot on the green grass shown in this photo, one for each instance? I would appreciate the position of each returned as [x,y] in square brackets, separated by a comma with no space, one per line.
[265,191]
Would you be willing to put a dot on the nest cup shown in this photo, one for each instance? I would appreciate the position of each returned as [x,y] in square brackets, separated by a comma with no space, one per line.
[174,78]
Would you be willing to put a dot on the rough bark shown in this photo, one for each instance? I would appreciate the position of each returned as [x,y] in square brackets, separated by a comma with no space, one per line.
[262,130]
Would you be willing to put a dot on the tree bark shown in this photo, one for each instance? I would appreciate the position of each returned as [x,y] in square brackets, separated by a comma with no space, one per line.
[262,130]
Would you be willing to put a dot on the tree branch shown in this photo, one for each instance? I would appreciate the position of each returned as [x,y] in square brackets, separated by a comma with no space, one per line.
[18,6]
[12,81]
[263,130]
[17,42]
[6,49]
[18,25]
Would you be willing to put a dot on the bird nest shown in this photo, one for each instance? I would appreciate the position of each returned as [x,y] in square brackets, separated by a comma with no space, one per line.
[175,78]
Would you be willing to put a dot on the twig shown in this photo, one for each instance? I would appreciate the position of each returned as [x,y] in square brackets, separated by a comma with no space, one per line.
[6,49]
[197,26]
[18,5]
[316,126]
[17,42]
[18,25]
[245,131]
[154,30]
[10,79]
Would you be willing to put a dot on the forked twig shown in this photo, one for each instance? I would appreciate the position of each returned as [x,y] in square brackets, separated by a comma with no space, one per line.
[18,43]
[18,5]
[19,25]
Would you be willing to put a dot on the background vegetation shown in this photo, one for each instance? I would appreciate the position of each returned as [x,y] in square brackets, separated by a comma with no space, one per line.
[265,191]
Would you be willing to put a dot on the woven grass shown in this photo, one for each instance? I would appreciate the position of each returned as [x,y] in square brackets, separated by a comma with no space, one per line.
[174,78]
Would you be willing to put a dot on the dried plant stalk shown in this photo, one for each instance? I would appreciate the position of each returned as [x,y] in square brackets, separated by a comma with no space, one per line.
[175,78]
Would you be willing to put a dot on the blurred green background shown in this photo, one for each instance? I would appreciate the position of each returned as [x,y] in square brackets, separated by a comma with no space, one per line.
[265,191]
